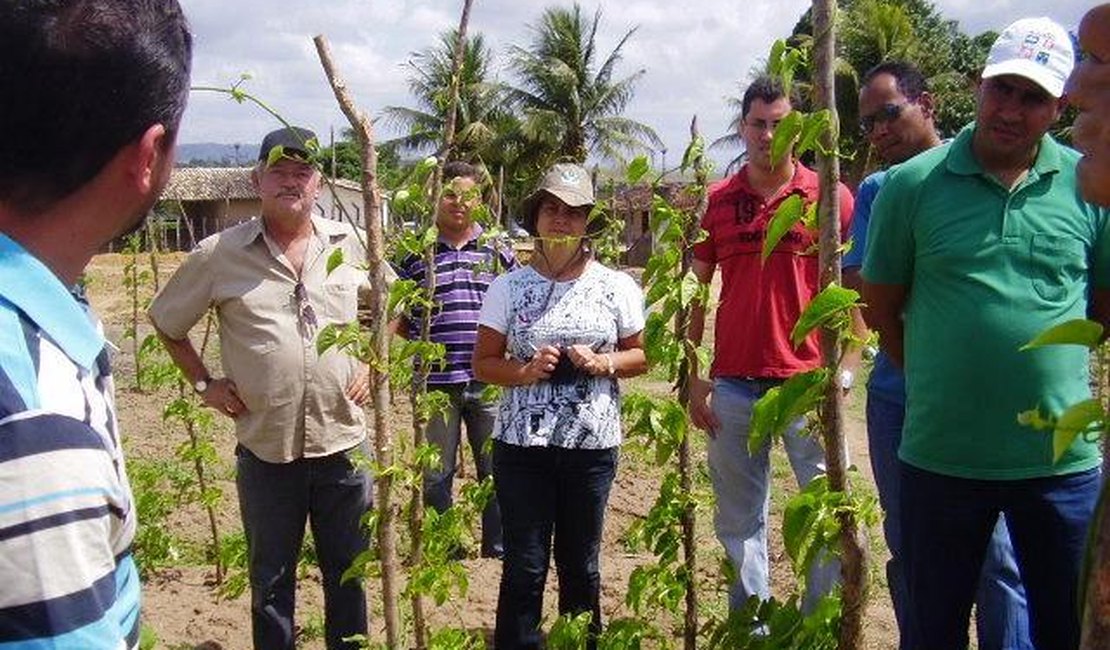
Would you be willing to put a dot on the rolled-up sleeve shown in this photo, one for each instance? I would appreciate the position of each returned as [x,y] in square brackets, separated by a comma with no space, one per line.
[187,295]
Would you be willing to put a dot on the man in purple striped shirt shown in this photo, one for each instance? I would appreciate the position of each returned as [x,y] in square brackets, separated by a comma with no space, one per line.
[464,267]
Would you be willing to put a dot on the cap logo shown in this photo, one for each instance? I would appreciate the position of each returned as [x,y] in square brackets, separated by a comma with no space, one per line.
[1036,47]
[569,176]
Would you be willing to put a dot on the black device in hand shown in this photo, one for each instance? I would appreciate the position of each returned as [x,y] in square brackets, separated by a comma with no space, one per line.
[565,371]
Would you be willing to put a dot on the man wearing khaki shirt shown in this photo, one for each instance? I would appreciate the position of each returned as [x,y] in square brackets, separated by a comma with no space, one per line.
[298,414]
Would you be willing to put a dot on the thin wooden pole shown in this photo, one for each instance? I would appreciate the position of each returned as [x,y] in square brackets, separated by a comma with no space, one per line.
[853,552]
[379,378]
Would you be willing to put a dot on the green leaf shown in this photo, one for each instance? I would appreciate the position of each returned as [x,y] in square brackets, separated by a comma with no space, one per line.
[795,520]
[813,125]
[786,215]
[832,302]
[275,154]
[636,169]
[430,237]
[809,217]
[1079,331]
[694,151]
[1077,419]
[774,60]
[690,289]
[335,260]
[785,134]
[327,338]
[781,405]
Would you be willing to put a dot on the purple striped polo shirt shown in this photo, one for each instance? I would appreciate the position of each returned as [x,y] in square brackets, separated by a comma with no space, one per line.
[462,277]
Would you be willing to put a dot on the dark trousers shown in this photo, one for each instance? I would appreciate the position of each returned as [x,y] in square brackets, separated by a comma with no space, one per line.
[545,492]
[465,406]
[947,523]
[1001,619]
[276,499]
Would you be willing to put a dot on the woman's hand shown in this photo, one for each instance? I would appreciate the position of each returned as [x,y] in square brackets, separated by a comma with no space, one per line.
[540,366]
[591,362]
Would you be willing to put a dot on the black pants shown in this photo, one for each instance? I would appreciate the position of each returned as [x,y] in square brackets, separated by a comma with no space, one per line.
[276,499]
[545,492]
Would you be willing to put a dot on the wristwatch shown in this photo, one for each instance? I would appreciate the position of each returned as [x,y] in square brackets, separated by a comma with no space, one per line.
[201,385]
[847,378]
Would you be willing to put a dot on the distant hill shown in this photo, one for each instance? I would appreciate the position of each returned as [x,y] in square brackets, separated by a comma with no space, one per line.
[212,154]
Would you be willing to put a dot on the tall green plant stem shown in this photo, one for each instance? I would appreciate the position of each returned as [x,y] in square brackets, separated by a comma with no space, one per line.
[1096,584]
[132,278]
[689,360]
[419,418]
[379,378]
[152,250]
[198,462]
[852,549]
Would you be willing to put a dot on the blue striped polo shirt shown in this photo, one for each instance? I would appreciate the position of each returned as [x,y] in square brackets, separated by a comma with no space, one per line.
[462,276]
[67,578]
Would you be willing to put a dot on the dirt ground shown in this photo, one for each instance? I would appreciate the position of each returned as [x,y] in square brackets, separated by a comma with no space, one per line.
[180,605]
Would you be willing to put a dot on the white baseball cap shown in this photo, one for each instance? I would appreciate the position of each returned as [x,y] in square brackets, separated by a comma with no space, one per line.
[1038,49]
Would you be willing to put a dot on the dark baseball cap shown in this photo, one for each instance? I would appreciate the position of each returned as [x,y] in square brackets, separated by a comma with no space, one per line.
[293,140]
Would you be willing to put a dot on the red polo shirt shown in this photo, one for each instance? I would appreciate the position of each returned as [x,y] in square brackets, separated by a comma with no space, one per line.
[760,302]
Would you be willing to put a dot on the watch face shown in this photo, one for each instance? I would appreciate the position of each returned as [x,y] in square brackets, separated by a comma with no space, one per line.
[200,386]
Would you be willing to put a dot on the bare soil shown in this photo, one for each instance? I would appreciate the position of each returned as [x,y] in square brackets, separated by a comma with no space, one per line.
[180,604]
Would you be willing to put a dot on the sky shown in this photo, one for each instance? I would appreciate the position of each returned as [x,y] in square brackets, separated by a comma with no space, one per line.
[694,55]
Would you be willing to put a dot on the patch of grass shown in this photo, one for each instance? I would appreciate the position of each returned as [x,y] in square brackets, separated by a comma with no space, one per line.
[157,486]
[312,629]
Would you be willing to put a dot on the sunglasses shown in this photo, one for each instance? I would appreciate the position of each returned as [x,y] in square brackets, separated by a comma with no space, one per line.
[886,113]
[305,313]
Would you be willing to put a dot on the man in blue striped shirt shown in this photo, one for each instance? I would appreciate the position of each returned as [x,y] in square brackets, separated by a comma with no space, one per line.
[465,265]
[91,95]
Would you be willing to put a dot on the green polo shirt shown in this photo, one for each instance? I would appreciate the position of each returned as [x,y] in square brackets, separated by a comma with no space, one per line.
[988,269]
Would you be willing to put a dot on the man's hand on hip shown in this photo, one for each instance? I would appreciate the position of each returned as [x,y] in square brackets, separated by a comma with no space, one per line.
[222,395]
[701,414]
[358,391]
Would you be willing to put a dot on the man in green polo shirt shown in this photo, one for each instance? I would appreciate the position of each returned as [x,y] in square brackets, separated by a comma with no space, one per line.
[974,248]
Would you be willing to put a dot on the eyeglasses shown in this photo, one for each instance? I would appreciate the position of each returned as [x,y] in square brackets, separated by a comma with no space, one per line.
[305,313]
[886,113]
[760,126]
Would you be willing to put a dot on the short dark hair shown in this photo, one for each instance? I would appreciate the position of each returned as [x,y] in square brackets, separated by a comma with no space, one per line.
[765,88]
[460,169]
[79,80]
[911,81]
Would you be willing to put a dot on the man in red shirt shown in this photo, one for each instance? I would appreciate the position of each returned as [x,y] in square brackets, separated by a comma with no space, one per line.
[759,304]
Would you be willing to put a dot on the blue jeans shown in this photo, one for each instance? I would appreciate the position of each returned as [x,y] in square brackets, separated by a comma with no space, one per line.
[947,524]
[444,431]
[1001,620]
[741,483]
[275,500]
[545,492]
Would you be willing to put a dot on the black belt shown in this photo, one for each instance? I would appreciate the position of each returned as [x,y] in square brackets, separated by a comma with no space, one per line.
[763,383]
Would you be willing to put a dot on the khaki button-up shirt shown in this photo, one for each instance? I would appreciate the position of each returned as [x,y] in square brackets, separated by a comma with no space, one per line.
[296,398]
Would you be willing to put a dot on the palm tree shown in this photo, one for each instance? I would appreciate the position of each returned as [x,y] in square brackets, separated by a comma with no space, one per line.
[482,119]
[572,106]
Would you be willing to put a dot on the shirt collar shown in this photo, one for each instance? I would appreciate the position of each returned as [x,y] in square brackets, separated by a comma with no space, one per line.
[326,230]
[961,159]
[34,289]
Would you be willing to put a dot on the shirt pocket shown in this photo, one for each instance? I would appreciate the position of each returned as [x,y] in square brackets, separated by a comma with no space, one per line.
[1056,264]
[340,302]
